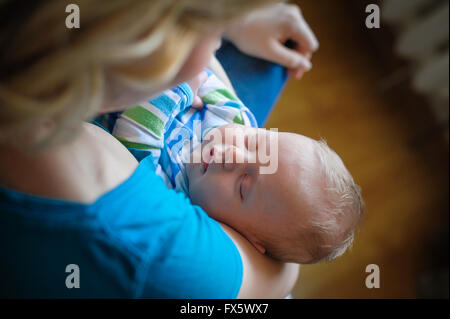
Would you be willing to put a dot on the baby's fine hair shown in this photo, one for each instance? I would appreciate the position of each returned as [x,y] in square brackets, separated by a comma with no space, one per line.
[330,232]
[344,203]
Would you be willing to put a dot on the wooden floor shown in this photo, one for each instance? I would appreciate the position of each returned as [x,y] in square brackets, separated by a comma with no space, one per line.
[382,138]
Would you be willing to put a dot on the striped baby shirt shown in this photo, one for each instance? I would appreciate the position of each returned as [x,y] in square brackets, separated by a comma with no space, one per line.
[169,129]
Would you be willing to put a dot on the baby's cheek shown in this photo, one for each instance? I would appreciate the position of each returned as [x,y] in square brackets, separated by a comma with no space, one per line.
[212,196]
[201,192]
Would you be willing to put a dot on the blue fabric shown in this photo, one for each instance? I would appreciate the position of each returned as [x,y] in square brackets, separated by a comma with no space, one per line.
[138,240]
[258,83]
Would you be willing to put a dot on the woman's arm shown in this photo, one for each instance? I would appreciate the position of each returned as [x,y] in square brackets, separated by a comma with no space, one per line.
[217,69]
[263,277]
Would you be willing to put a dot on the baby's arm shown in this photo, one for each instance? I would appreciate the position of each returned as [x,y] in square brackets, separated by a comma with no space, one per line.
[143,126]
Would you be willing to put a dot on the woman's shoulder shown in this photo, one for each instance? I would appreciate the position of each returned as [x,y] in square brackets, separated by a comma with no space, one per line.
[106,164]
[80,170]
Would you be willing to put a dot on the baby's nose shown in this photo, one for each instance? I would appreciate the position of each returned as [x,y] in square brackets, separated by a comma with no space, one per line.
[229,155]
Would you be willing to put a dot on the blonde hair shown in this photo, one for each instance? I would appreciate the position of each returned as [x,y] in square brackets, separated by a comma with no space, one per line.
[330,232]
[50,72]
[334,228]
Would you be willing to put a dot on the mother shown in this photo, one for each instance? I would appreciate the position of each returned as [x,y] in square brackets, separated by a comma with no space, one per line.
[72,198]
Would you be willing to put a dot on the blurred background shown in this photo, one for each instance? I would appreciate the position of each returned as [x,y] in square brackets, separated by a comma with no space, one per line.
[380,98]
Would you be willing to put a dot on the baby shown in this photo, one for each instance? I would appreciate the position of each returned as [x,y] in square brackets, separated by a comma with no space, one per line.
[289,195]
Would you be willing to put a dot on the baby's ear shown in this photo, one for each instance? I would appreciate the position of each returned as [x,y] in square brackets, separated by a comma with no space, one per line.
[258,247]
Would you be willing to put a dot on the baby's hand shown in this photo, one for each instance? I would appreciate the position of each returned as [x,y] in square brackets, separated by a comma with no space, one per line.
[195,83]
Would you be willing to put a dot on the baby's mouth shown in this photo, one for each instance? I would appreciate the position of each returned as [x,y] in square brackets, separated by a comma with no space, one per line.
[205,164]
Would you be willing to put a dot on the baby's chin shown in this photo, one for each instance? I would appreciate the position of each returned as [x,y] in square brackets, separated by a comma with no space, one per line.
[191,169]
[194,165]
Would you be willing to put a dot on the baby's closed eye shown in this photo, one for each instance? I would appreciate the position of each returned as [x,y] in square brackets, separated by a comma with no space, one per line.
[251,142]
[243,186]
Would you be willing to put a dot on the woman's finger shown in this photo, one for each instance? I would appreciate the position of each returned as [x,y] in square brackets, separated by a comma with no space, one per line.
[296,73]
[287,57]
[302,34]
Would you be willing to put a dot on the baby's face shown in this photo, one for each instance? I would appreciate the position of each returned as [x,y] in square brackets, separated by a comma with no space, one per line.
[229,186]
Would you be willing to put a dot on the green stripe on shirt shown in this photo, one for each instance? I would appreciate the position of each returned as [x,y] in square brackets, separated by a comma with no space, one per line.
[139,146]
[215,96]
[146,118]
[239,119]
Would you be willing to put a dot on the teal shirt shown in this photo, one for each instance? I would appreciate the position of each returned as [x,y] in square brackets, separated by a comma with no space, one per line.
[137,240]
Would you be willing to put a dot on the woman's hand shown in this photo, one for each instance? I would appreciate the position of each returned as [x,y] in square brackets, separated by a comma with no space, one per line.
[264,33]
[195,83]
